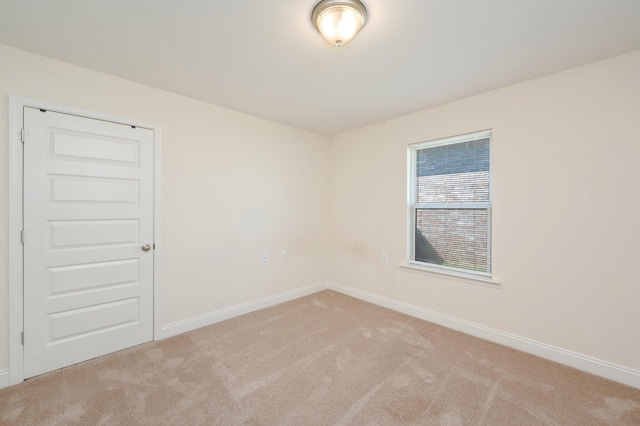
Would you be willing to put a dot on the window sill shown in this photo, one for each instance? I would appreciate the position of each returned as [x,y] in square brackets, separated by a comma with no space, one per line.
[465,278]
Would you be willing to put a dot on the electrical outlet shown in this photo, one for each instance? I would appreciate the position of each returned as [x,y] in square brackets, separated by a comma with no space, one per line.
[283,255]
[265,257]
[385,257]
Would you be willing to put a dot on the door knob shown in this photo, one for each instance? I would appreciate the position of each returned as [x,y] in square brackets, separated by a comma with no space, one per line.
[146,247]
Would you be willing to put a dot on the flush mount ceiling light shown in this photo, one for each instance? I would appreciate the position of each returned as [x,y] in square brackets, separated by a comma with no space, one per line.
[339,20]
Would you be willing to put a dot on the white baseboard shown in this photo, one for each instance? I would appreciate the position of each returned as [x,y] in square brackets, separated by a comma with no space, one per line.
[562,356]
[189,324]
[4,378]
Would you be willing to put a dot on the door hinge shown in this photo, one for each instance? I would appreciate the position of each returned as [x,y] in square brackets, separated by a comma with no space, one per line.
[22,135]
[22,236]
[22,338]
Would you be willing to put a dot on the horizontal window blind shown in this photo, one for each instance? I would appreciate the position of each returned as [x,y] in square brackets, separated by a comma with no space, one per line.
[450,203]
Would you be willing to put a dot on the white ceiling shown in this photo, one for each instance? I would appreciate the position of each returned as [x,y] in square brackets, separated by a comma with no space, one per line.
[263,57]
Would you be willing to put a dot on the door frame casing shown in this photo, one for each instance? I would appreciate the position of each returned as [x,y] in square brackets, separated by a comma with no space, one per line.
[16,257]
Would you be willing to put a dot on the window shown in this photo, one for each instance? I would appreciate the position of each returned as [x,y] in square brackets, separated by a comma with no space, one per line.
[450,204]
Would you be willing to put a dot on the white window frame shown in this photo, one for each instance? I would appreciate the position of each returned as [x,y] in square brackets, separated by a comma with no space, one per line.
[413,206]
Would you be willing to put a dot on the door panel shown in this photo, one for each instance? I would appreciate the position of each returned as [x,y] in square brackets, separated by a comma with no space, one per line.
[92,276]
[92,233]
[92,148]
[88,209]
[80,322]
[68,189]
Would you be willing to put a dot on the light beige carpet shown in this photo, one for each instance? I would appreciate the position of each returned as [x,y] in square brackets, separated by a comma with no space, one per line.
[325,359]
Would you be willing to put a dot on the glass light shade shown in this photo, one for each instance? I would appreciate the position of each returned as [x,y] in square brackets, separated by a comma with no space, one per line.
[339,21]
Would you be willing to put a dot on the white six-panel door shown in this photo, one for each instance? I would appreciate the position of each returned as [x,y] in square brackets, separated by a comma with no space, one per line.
[88,212]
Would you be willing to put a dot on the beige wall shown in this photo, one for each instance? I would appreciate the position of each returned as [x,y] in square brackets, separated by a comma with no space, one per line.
[234,185]
[566,207]
[566,217]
